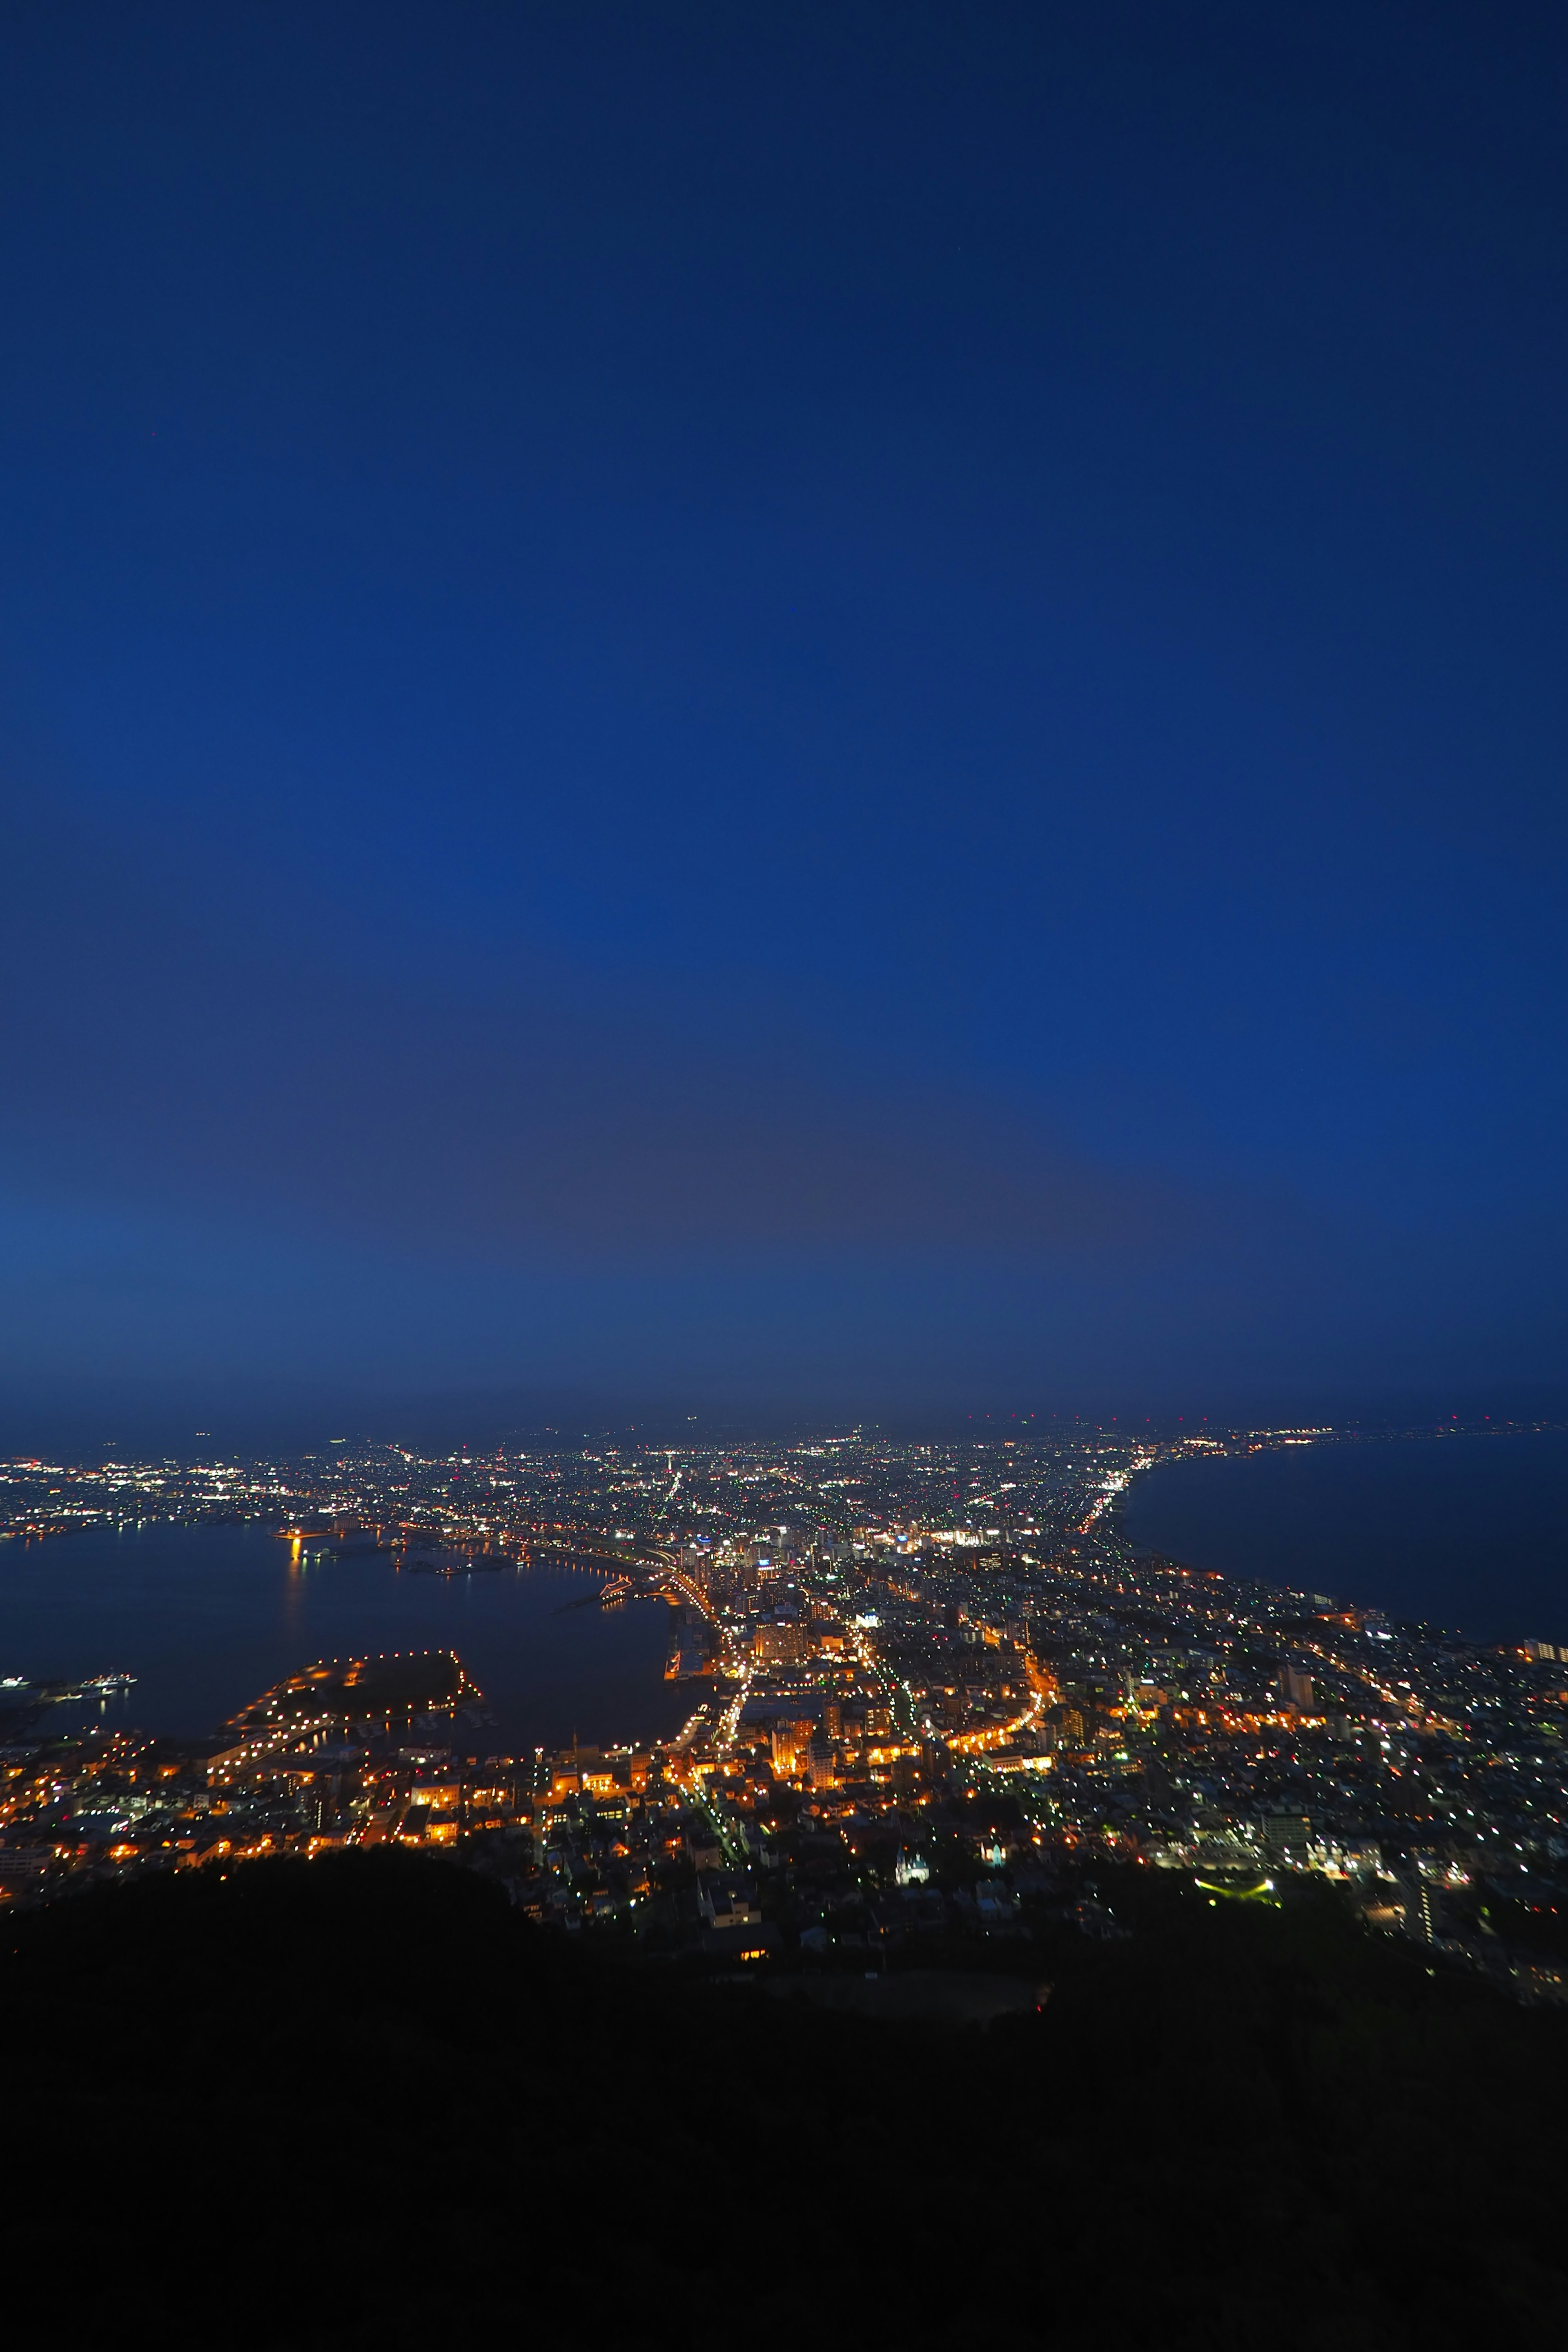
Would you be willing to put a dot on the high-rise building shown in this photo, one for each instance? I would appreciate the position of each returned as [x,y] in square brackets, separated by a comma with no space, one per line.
[1295,1685]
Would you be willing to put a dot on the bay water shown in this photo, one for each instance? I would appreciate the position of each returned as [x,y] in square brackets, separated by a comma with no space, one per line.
[206,1618]
[1469,1532]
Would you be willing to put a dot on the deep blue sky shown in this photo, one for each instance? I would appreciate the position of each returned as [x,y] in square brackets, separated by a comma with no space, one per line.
[833,703]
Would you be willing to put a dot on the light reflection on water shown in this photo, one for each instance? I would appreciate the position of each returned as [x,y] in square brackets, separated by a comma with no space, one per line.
[207,1617]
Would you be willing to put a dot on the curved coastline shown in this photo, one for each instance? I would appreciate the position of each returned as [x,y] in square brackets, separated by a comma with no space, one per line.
[1436,1528]
[206,1613]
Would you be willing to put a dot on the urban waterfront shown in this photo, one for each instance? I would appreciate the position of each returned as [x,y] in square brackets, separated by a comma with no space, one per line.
[1468,1531]
[766,1701]
[204,1616]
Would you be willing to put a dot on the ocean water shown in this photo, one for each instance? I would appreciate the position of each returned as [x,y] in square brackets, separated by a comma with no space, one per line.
[1466,1532]
[207,1617]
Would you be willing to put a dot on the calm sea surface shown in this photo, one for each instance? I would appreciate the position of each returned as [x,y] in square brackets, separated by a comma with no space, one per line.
[1466,1532]
[206,1618]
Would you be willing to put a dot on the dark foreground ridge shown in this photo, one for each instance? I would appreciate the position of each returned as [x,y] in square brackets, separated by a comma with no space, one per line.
[362,2102]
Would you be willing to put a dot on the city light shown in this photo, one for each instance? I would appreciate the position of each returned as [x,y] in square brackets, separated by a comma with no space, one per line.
[868,1673]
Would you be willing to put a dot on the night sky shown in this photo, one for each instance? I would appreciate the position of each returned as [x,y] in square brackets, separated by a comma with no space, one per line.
[843,706]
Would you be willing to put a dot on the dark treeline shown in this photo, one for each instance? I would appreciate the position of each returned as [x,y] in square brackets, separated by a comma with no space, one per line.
[360,2103]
